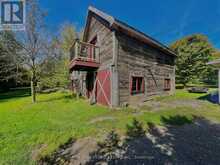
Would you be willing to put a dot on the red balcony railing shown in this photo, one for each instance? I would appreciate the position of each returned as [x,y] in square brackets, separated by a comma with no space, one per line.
[84,56]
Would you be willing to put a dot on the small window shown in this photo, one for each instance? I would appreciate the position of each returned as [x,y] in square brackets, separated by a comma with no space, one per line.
[167,84]
[169,60]
[137,85]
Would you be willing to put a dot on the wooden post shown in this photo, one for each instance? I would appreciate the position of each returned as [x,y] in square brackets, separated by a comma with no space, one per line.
[219,86]
[114,74]
[76,49]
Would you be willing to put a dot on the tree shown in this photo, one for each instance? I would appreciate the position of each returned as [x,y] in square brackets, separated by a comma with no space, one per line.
[68,35]
[11,72]
[49,67]
[67,38]
[216,54]
[32,42]
[193,54]
[55,67]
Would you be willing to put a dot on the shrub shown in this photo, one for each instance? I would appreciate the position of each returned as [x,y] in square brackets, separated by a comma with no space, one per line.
[179,86]
[177,120]
[109,145]
[135,129]
[152,129]
[109,149]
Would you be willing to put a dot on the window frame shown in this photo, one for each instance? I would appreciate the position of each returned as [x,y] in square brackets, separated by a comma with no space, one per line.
[167,84]
[139,89]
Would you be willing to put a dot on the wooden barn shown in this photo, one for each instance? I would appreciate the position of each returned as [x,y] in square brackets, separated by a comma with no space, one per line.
[117,65]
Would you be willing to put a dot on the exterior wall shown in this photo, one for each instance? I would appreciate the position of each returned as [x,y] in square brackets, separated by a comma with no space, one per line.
[125,57]
[105,40]
[138,59]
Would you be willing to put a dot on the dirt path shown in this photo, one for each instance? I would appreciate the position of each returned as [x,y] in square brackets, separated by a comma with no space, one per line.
[160,105]
[197,143]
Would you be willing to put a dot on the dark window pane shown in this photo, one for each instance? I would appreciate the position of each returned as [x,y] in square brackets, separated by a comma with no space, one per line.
[167,84]
[134,81]
[137,85]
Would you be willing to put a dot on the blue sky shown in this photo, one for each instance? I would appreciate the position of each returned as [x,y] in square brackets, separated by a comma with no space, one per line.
[164,20]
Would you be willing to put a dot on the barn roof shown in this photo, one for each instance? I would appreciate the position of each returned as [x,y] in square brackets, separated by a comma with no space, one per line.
[116,24]
[215,63]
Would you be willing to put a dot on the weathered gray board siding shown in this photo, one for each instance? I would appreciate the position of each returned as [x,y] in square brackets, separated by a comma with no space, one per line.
[126,57]
[105,38]
[115,76]
[136,58]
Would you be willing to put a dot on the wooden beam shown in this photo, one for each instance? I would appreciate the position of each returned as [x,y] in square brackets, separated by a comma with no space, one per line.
[114,75]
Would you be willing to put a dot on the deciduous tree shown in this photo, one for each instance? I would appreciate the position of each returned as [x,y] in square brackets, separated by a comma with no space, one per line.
[32,42]
[193,54]
[11,72]
[55,67]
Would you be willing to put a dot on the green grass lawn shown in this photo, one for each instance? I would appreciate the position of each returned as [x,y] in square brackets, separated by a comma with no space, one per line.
[28,131]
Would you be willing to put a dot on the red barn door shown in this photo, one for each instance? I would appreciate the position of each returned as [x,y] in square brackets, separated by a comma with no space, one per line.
[103,87]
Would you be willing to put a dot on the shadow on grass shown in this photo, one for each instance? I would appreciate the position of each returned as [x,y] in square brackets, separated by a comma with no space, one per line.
[196,143]
[176,120]
[52,159]
[26,92]
[66,98]
[15,93]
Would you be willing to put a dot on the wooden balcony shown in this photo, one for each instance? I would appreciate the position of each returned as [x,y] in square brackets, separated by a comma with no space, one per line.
[84,57]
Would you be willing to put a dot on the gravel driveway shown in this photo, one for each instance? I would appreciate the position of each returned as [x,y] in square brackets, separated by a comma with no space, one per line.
[190,144]
[197,143]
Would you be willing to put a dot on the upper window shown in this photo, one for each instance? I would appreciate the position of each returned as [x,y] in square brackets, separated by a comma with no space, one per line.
[137,85]
[167,84]
[169,60]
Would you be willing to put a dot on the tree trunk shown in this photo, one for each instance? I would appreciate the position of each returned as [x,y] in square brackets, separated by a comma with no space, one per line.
[33,90]
[184,85]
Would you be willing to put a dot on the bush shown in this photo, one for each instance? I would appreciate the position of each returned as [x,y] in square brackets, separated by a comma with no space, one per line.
[47,91]
[176,120]
[135,129]
[179,86]
[152,129]
[109,145]
[109,149]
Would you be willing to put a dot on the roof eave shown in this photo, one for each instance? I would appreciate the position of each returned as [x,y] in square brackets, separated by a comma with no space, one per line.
[114,24]
[215,63]
[145,38]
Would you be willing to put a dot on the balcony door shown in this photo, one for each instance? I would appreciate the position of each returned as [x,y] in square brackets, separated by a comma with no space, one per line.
[93,42]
